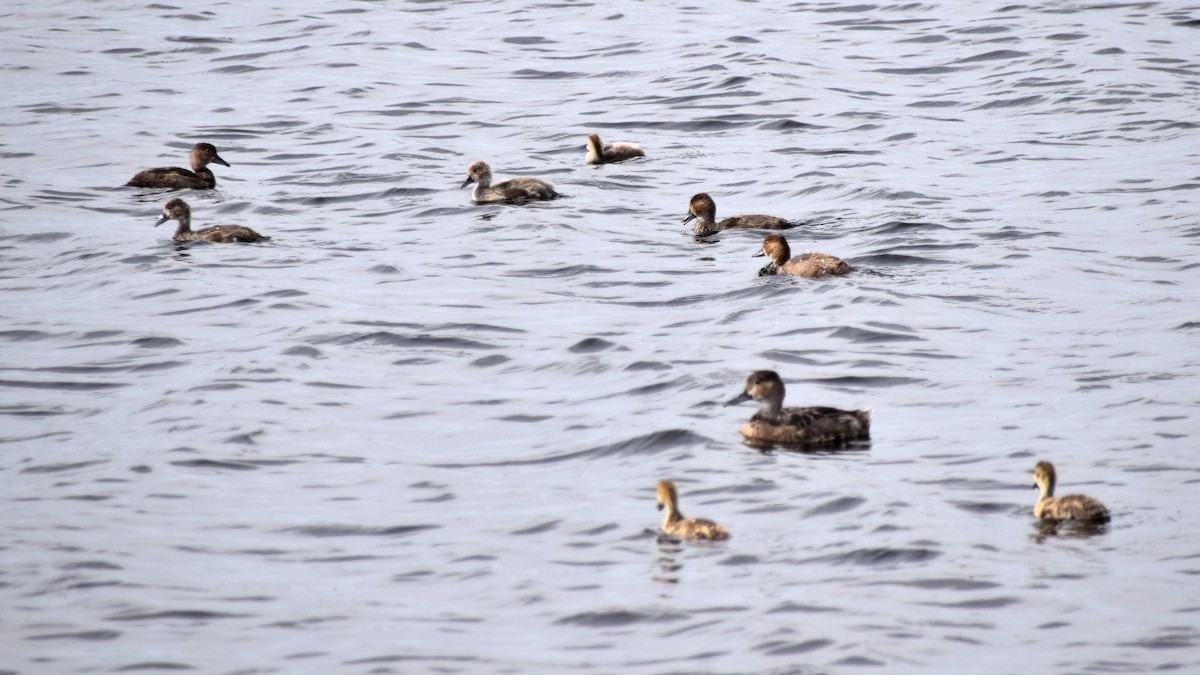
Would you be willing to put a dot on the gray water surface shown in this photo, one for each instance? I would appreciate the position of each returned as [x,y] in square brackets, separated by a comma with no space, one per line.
[413,434]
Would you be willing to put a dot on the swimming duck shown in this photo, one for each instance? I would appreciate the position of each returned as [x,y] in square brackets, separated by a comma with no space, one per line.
[687,528]
[796,426]
[804,265]
[599,153]
[199,178]
[511,190]
[177,209]
[704,209]
[1071,507]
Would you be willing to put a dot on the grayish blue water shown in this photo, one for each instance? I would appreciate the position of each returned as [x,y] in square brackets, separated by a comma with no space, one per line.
[414,434]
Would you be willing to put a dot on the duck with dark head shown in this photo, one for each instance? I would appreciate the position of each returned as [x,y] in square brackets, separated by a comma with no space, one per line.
[179,211]
[199,178]
[703,209]
[799,427]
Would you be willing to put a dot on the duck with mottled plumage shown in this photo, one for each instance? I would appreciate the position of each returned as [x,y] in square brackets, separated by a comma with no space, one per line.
[796,426]
[199,178]
[599,152]
[512,190]
[687,528]
[704,210]
[1070,507]
[178,210]
[811,265]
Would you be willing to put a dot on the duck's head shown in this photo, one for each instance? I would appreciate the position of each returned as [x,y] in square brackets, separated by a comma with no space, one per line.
[1044,477]
[594,144]
[176,209]
[204,154]
[776,248]
[667,496]
[761,385]
[701,206]
[478,172]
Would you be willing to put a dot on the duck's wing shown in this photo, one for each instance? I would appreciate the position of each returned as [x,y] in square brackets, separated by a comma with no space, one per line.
[1080,507]
[229,233]
[822,424]
[164,176]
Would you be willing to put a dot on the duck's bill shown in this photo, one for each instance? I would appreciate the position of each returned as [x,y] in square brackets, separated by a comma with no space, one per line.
[740,398]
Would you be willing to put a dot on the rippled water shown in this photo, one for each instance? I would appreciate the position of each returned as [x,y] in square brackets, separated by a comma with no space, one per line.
[413,434]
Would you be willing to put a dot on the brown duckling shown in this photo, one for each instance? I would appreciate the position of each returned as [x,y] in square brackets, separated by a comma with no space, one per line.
[178,210]
[602,153]
[199,178]
[804,265]
[1071,507]
[687,528]
[512,190]
[796,426]
[704,210]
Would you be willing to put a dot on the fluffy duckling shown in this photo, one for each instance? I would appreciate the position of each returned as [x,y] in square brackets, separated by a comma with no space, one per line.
[804,265]
[1071,507]
[199,178]
[704,209]
[511,190]
[601,153]
[796,426]
[178,210]
[687,528]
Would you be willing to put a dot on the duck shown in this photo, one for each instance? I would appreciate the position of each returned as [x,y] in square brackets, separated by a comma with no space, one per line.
[178,210]
[676,525]
[796,426]
[811,265]
[1070,507]
[600,153]
[199,178]
[511,190]
[704,209]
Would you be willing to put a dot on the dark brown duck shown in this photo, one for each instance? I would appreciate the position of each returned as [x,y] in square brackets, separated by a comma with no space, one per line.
[774,423]
[199,178]
[704,210]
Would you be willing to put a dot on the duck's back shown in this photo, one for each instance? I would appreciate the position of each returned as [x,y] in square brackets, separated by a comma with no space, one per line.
[810,426]
[756,221]
[1073,507]
[228,233]
[618,152]
[816,265]
[697,528]
[173,177]
[523,188]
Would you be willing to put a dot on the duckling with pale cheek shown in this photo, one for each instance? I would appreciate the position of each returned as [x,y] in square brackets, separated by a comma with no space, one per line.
[608,153]
[1070,507]
[813,265]
[796,426]
[178,210]
[199,178]
[702,208]
[512,190]
[687,528]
